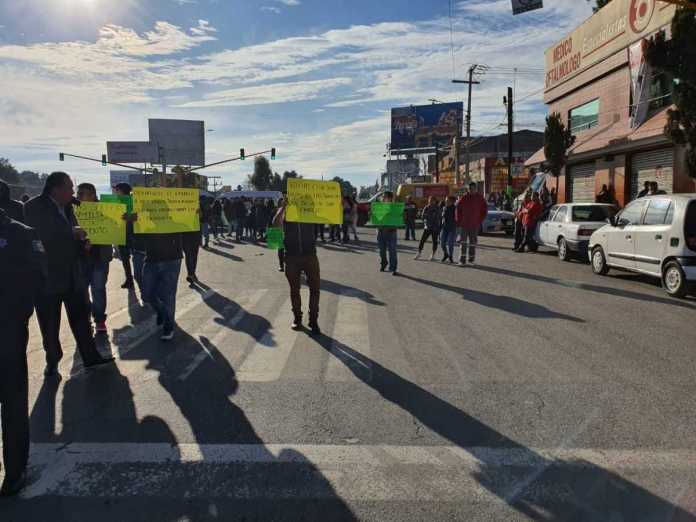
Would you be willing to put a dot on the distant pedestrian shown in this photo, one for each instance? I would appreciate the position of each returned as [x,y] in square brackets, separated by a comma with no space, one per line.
[410,214]
[531,212]
[519,226]
[645,191]
[239,216]
[655,189]
[347,219]
[97,259]
[301,256]
[386,239]
[206,212]
[449,230]
[282,203]
[354,218]
[216,218]
[604,195]
[431,226]
[471,211]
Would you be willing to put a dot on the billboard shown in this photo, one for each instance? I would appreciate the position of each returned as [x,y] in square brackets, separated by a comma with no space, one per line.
[131,152]
[426,125]
[178,142]
[613,28]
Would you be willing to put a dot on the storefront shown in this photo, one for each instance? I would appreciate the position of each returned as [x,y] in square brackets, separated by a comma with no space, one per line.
[654,165]
[581,182]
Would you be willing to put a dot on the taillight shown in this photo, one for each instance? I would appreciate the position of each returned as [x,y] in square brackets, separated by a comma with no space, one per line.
[691,242]
[585,232]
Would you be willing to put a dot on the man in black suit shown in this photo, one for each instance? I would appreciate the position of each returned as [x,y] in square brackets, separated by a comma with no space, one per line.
[51,215]
[13,209]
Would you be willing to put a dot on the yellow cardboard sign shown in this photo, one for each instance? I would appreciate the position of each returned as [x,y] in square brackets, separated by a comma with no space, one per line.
[166,210]
[313,201]
[103,222]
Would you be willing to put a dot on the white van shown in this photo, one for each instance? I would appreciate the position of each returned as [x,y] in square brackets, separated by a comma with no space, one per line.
[654,235]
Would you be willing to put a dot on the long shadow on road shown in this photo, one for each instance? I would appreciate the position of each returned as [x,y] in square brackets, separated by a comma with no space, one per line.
[590,493]
[500,302]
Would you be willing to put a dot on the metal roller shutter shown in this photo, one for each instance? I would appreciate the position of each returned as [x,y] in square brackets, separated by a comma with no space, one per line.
[655,165]
[582,183]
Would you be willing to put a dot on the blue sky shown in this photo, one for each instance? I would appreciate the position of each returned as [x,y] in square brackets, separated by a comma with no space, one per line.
[316,79]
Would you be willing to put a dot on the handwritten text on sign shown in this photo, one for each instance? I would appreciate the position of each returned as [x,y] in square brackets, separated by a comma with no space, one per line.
[313,201]
[166,210]
[103,222]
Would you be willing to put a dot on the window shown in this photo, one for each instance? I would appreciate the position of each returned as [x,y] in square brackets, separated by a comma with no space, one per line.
[658,212]
[589,213]
[632,213]
[660,90]
[561,214]
[584,117]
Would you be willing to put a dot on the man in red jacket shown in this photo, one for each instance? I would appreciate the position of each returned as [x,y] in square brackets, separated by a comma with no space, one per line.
[470,212]
[530,215]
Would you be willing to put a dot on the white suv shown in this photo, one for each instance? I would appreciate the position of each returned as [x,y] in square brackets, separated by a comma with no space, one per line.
[654,235]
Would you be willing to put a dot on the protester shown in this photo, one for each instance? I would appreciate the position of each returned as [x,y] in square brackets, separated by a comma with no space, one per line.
[655,189]
[191,243]
[347,218]
[449,229]
[251,221]
[239,217]
[96,265]
[431,226]
[216,218]
[281,251]
[301,256]
[13,209]
[206,212]
[163,256]
[645,191]
[530,215]
[386,239]
[51,215]
[410,214]
[604,195]
[125,251]
[23,270]
[471,211]
[260,220]
[354,218]
[519,227]
[228,211]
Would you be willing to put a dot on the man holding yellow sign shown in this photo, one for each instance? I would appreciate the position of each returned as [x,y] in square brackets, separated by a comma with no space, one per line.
[314,201]
[166,210]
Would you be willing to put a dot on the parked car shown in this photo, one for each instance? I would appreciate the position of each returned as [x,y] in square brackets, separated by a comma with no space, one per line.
[654,235]
[498,221]
[568,227]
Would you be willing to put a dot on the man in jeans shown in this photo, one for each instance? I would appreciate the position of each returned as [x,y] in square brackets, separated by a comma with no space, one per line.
[301,256]
[386,239]
[163,254]
[96,265]
[410,212]
[471,210]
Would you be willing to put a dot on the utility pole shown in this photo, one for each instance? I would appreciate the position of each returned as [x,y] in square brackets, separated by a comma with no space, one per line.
[470,82]
[509,103]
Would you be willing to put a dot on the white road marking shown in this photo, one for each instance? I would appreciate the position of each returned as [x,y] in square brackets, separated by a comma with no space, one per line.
[351,330]
[424,472]
[269,356]
[245,304]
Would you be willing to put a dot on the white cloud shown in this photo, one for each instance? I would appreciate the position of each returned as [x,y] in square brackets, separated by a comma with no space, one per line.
[270,8]
[291,3]
[269,93]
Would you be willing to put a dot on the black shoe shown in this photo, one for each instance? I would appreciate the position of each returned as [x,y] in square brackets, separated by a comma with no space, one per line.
[296,324]
[12,487]
[51,370]
[382,268]
[128,284]
[189,279]
[99,362]
[167,334]
[395,273]
[314,327]
[281,269]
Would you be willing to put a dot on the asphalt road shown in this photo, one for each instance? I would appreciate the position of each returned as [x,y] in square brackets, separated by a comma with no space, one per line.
[523,388]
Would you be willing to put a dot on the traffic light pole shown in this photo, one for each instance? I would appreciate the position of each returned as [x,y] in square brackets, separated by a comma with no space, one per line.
[61,155]
[470,82]
[510,133]
[238,158]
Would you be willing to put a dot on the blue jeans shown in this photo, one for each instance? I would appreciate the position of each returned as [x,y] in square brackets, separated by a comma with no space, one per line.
[205,230]
[448,239]
[138,264]
[386,239]
[161,280]
[97,275]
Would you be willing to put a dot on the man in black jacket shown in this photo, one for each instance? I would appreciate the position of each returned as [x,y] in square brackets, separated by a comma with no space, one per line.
[22,269]
[51,215]
[13,209]
[301,256]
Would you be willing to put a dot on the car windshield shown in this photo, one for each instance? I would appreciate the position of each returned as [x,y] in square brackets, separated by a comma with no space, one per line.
[588,213]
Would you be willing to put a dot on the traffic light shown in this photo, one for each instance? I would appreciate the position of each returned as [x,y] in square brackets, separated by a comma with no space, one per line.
[241,154]
[273,153]
[103,160]
[61,156]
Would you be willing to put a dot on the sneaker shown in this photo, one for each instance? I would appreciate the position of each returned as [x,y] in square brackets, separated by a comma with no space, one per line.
[314,327]
[395,273]
[101,327]
[472,262]
[296,324]
[417,256]
[189,279]
[281,269]
[461,263]
[444,259]
[451,260]
[167,334]
[382,268]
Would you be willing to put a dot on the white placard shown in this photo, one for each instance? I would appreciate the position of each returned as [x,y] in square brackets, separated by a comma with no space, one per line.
[178,142]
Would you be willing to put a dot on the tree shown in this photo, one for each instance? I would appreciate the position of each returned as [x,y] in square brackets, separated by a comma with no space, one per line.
[557,141]
[7,171]
[262,178]
[276,182]
[288,175]
[347,188]
[677,59]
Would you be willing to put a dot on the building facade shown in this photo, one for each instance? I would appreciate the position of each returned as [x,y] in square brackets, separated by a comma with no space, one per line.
[615,105]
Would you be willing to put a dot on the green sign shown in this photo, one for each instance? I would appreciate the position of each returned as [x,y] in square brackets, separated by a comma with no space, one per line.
[125,200]
[387,214]
[274,238]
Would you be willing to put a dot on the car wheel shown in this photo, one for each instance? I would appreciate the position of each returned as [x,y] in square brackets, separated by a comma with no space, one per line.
[563,252]
[674,280]
[599,262]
